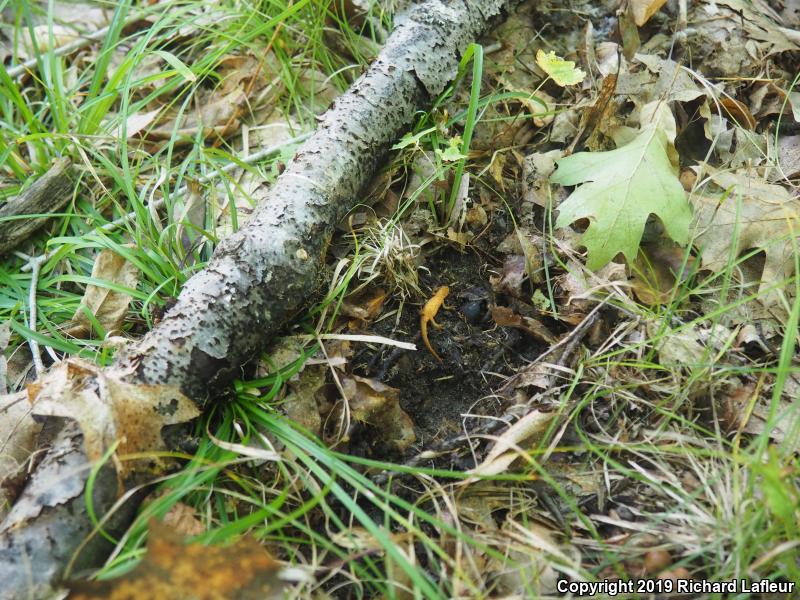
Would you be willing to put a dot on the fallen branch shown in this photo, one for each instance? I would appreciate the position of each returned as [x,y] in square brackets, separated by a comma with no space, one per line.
[49,194]
[258,278]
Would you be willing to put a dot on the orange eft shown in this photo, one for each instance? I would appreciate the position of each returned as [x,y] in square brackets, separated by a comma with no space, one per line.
[428,313]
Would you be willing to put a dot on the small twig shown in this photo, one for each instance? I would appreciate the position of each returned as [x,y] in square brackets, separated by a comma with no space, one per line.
[679,37]
[95,36]
[34,265]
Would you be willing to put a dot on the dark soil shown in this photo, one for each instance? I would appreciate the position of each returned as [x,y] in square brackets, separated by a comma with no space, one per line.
[477,355]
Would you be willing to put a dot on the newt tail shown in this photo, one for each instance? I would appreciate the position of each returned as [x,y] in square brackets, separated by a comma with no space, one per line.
[428,313]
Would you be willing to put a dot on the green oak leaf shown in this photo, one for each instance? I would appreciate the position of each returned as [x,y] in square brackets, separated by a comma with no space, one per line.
[621,189]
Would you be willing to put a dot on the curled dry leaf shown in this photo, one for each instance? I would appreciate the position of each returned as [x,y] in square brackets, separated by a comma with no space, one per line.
[378,405]
[513,276]
[108,409]
[506,317]
[108,306]
[522,435]
[655,270]
[732,412]
[363,306]
[173,569]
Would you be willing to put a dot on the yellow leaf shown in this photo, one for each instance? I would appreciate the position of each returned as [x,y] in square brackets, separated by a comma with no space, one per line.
[563,72]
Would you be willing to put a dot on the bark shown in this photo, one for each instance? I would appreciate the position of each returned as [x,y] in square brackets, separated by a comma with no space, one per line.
[264,274]
[49,525]
[49,194]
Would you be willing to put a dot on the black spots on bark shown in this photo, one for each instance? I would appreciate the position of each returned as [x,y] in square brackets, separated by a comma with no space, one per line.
[167,409]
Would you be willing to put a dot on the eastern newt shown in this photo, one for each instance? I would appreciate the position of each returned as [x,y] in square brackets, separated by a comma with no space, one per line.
[428,313]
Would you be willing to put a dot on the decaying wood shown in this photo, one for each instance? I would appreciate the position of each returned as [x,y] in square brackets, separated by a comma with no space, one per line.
[266,272]
[49,525]
[49,194]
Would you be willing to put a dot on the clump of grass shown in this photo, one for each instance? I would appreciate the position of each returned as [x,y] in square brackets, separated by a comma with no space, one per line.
[387,257]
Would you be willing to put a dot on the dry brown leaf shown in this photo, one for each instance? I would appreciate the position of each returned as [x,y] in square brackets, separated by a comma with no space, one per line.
[245,85]
[513,276]
[378,405]
[737,111]
[768,219]
[304,398]
[216,116]
[655,269]
[600,111]
[506,317]
[679,348]
[789,156]
[190,216]
[732,410]
[532,553]
[536,171]
[364,306]
[644,9]
[138,122]
[176,570]
[108,409]
[108,306]
[763,24]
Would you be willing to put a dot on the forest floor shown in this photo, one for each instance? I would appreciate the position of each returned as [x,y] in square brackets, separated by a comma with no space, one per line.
[612,392]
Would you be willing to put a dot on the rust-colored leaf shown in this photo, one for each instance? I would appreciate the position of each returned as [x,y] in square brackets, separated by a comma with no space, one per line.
[179,571]
[736,111]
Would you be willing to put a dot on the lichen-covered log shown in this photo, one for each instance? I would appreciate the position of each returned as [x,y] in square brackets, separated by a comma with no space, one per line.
[265,273]
[47,195]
